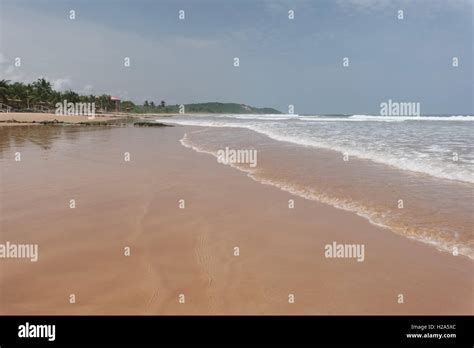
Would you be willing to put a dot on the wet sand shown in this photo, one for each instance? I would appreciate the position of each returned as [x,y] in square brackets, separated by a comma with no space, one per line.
[435,211]
[190,251]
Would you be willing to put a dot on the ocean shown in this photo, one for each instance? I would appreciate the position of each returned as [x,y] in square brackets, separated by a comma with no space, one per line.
[411,175]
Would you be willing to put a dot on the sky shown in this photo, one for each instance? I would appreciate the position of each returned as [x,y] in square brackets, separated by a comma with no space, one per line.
[282,61]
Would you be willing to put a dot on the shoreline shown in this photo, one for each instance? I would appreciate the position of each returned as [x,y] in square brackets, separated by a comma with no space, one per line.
[292,184]
[37,118]
[33,119]
[190,251]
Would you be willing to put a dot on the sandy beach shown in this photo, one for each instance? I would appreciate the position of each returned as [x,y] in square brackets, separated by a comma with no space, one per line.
[190,251]
[32,118]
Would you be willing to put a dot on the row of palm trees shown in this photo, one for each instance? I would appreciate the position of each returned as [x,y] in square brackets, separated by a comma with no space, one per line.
[39,96]
[151,105]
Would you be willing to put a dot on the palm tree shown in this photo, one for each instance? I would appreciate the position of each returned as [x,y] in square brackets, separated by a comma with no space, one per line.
[30,96]
[4,89]
[71,96]
[39,95]
[43,91]
[105,102]
[17,95]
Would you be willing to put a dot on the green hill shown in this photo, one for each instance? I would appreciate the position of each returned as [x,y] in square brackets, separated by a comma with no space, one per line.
[211,108]
[230,108]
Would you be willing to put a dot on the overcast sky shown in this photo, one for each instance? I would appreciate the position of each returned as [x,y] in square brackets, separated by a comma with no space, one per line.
[282,61]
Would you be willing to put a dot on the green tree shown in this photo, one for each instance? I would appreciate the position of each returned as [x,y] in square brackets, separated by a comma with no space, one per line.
[71,96]
[127,105]
[42,90]
[4,90]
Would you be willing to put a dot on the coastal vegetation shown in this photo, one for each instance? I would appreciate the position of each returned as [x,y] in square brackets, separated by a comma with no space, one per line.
[40,96]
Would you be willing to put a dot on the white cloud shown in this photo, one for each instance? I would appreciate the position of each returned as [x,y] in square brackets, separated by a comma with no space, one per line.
[87,89]
[61,84]
[12,73]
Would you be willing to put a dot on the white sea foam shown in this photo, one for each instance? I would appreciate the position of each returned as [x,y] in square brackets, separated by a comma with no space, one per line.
[258,116]
[412,118]
[374,217]
[411,147]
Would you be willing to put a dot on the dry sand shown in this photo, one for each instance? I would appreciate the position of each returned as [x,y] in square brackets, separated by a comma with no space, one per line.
[190,251]
[31,118]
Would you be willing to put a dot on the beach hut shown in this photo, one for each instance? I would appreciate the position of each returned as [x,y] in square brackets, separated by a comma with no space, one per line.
[116,101]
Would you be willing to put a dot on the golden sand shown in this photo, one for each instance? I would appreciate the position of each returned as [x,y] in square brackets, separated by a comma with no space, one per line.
[191,251]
